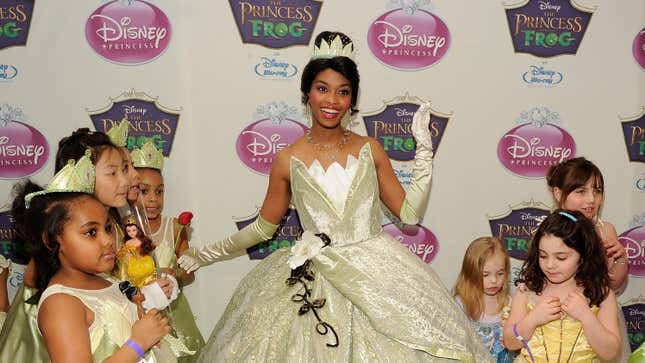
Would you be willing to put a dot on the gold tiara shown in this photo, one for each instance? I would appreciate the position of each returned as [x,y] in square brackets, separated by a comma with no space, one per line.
[76,176]
[119,134]
[147,156]
[333,49]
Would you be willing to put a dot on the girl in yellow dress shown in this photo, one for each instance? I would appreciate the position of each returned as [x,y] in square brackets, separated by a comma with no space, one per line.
[564,310]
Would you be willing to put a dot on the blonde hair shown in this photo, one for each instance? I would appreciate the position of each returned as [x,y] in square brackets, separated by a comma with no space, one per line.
[469,286]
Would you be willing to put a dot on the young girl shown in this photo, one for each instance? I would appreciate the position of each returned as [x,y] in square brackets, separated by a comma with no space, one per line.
[169,243]
[577,184]
[482,292]
[82,315]
[19,337]
[564,310]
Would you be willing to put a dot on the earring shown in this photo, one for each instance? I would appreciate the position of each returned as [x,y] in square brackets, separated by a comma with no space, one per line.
[307,115]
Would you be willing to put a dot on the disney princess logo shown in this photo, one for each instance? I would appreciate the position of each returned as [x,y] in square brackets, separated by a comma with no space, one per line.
[409,38]
[128,32]
[273,68]
[23,149]
[540,75]
[30,151]
[262,145]
[418,239]
[523,148]
[113,30]
[15,20]
[634,242]
[394,36]
[8,72]
[276,128]
[529,149]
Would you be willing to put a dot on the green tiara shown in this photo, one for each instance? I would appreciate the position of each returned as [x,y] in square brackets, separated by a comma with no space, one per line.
[119,134]
[76,176]
[147,156]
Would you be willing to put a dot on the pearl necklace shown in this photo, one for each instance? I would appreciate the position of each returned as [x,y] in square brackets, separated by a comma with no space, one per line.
[328,150]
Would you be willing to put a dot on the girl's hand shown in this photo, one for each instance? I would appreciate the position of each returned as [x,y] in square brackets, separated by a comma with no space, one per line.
[548,309]
[166,286]
[150,329]
[614,249]
[576,305]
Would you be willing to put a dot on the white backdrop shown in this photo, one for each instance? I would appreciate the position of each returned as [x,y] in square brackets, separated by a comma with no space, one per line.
[208,73]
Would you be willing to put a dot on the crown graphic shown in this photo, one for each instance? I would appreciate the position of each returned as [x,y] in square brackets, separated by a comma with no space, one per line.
[333,49]
[148,156]
[119,134]
[131,219]
[76,176]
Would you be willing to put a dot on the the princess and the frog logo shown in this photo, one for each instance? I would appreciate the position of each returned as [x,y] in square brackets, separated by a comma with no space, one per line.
[538,142]
[634,312]
[418,239]
[15,19]
[23,149]
[147,118]
[516,226]
[128,31]
[10,247]
[276,23]
[546,28]
[409,37]
[633,240]
[286,235]
[275,126]
[391,125]
[634,133]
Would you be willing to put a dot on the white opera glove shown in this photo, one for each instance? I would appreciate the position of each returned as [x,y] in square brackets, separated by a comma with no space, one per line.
[258,231]
[416,197]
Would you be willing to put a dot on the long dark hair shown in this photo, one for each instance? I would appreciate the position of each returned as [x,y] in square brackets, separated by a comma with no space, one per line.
[147,245]
[340,64]
[580,235]
[40,226]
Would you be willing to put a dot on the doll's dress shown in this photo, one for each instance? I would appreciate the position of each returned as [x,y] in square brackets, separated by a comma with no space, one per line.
[183,318]
[132,266]
[563,338]
[384,303]
[114,316]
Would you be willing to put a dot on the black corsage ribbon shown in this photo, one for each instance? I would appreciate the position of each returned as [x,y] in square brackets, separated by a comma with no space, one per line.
[128,289]
[302,274]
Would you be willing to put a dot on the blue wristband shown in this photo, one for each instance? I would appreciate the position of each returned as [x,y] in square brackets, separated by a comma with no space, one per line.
[136,347]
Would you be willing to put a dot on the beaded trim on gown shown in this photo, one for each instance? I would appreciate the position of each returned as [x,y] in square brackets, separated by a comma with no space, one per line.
[385,304]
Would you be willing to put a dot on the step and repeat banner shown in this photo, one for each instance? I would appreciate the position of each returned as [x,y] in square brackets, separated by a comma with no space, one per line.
[514,87]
